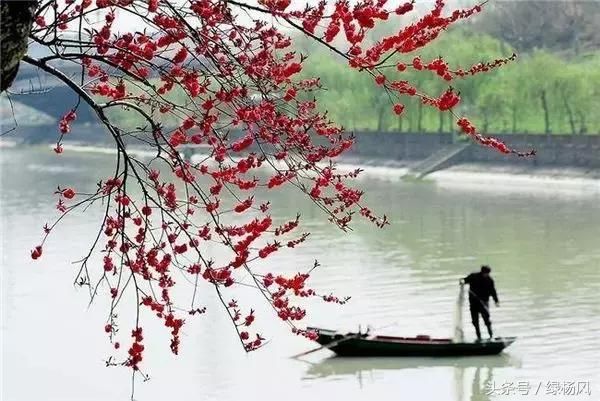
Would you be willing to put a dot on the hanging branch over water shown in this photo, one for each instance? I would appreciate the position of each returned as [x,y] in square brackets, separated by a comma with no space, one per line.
[231,81]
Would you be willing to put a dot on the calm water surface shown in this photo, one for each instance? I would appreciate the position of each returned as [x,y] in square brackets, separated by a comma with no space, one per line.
[544,247]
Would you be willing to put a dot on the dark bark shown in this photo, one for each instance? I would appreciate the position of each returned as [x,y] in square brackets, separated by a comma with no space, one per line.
[582,125]
[16,20]
[380,118]
[570,115]
[486,121]
[420,118]
[546,112]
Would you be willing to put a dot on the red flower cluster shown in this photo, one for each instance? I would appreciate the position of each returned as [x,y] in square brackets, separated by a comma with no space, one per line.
[468,128]
[64,125]
[202,77]
[136,349]
[448,100]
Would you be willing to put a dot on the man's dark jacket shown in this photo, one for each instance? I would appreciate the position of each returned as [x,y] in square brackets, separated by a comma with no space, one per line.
[481,288]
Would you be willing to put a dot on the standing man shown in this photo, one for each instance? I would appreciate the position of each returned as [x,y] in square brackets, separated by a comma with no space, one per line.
[481,287]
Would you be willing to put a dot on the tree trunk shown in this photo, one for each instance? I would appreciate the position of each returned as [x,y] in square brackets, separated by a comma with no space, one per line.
[441,126]
[380,117]
[546,114]
[420,118]
[17,18]
[582,126]
[514,119]
[400,124]
[570,114]
[486,122]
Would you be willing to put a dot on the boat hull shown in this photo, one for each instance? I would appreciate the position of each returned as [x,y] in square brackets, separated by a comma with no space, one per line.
[362,345]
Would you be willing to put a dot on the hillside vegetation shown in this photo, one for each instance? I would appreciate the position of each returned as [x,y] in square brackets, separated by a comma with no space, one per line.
[540,92]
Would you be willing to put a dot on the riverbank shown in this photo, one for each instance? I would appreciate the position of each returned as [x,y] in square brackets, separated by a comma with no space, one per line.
[480,176]
[557,173]
[489,177]
[7,143]
[497,178]
[581,151]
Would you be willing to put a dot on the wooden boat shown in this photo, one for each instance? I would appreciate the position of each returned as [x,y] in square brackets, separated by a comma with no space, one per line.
[364,345]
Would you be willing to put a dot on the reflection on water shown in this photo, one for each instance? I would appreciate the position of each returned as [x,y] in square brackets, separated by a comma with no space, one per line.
[336,366]
[472,375]
[543,250]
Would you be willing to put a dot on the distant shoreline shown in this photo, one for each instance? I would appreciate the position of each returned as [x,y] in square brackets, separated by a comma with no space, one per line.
[494,178]
[483,176]
[491,177]
[7,143]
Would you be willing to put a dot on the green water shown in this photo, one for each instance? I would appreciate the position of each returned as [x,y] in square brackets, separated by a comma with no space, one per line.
[543,246]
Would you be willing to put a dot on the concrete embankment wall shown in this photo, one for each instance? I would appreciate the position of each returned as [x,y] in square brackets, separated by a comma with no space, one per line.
[403,148]
[554,150]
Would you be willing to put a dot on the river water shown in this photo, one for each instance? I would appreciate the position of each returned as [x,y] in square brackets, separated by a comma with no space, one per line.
[543,246]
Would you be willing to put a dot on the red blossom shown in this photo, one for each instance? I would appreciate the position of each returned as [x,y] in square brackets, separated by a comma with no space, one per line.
[244,205]
[68,193]
[289,94]
[40,21]
[152,6]
[64,125]
[248,320]
[180,56]
[448,100]
[36,252]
